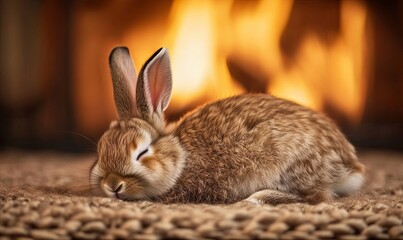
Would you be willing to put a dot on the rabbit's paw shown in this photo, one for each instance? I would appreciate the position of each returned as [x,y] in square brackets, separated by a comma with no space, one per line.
[272,197]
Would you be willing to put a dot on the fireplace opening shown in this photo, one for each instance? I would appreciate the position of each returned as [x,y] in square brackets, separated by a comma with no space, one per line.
[343,58]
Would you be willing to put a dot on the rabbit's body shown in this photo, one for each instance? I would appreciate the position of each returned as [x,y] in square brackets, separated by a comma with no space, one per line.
[243,144]
[253,146]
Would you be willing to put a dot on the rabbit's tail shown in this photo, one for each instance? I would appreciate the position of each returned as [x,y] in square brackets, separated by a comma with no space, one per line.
[352,182]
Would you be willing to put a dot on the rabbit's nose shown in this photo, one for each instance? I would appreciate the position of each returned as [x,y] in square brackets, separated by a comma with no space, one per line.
[115,188]
[114,184]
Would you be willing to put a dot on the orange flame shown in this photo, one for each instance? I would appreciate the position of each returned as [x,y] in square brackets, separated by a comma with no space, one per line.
[198,61]
[201,35]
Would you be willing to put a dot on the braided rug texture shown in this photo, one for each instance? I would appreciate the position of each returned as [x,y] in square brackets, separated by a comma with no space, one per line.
[37,202]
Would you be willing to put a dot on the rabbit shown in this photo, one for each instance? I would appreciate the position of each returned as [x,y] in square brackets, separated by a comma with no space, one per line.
[251,147]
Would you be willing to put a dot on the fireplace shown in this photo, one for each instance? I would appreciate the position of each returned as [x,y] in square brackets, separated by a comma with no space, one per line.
[339,57]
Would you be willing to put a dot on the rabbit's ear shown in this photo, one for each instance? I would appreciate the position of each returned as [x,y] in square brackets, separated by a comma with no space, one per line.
[124,78]
[154,85]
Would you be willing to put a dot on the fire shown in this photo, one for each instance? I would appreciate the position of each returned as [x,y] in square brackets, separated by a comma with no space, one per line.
[198,61]
[194,50]
[348,59]
[203,35]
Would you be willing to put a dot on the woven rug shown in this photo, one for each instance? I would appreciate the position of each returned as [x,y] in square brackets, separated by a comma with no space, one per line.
[38,200]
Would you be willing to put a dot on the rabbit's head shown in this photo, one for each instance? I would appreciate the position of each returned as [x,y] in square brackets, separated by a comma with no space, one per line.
[136,158]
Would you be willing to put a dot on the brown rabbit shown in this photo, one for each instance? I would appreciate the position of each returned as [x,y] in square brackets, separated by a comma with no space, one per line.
[252,147]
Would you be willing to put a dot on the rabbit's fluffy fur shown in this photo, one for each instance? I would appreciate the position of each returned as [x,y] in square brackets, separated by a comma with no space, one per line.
[252,147]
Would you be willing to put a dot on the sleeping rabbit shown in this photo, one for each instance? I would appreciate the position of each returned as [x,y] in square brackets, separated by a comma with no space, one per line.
[252,147]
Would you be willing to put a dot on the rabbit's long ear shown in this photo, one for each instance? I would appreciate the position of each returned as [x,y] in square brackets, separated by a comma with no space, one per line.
[154,87]
[124,78]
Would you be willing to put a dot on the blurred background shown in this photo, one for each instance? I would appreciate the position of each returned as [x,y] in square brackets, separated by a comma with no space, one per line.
[344,58]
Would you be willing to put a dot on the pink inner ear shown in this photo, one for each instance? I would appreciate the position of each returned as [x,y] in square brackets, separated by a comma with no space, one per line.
[159,78]
[156,81]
